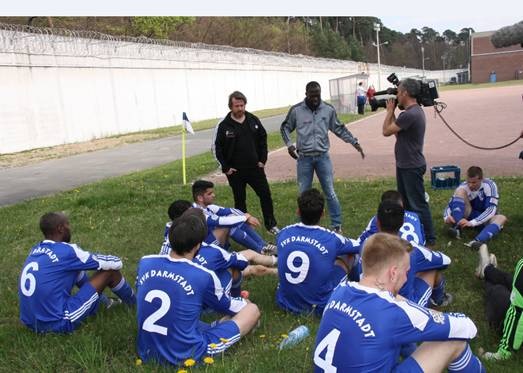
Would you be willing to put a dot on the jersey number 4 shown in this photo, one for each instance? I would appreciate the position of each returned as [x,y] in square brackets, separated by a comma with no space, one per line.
[329,343]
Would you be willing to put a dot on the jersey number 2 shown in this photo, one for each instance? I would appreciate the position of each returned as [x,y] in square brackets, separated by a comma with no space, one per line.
[149,323]
[29,279]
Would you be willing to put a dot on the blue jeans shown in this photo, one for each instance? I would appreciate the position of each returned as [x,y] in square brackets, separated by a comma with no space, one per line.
[306,166]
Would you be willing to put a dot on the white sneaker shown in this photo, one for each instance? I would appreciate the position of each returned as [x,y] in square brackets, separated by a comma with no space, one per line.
[270,249]
[274,230]
[111,302]
[494,356]
[493,260]
[484,260]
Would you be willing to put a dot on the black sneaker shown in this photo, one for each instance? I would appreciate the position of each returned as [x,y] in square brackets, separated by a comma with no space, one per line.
[447,299]
[474,244]
[454,232]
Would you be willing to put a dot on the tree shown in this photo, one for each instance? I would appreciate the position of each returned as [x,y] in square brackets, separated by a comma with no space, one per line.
[450,36]
[158,27]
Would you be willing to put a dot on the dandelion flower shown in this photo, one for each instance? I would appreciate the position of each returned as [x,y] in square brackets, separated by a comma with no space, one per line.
[213,345]
[189,363]
[224,340]
[284,335]
[182,371]
[262,336]
[138,362]
[208,360]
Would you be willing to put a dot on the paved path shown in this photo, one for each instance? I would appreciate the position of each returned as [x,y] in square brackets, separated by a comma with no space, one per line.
[487,117]
[48,177]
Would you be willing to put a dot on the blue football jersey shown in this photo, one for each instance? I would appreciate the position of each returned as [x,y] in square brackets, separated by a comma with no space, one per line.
[306,256]
[221,217]
[362,329]
[171,294]
[484,202]
[48,277]
[166,245]
[219,261]
[215,258]
[422,260]
[411,230]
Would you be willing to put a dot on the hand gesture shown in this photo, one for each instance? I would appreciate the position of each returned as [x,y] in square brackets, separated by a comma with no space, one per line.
[359,149]
[230,171]
[293,152]
[252,221]
[261,165]
[464,223]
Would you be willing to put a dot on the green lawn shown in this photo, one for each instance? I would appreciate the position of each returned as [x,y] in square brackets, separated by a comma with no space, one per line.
[125,216]
[450,87]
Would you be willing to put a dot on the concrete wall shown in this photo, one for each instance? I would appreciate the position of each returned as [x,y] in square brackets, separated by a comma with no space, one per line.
[60,89]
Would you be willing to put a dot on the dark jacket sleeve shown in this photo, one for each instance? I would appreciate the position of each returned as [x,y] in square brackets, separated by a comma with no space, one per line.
[219,144]
[262,141]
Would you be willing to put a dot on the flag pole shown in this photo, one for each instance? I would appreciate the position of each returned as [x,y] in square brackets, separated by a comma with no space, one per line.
[183,156]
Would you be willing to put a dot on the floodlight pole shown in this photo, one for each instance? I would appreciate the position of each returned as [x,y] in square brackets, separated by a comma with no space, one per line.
[423,60]
[377,29]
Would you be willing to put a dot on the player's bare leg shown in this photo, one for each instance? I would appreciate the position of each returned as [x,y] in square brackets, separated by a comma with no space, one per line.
[259,270]
[257,258]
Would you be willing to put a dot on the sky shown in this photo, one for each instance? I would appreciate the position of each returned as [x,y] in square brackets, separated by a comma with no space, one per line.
[399,15]
[452,22]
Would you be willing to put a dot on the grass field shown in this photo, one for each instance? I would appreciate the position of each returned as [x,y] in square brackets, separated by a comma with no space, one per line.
[125,216]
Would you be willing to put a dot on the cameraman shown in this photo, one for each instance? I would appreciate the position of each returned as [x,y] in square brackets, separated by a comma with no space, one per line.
[409,129]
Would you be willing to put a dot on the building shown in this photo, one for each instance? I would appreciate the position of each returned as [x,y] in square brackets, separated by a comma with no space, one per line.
[488,63]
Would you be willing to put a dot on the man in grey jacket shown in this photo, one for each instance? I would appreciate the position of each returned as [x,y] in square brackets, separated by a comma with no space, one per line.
[312,119]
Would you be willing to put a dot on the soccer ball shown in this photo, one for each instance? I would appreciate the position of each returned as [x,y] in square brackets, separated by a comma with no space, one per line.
[427,197]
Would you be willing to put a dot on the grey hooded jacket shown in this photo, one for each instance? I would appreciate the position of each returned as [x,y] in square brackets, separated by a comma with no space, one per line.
[312,128]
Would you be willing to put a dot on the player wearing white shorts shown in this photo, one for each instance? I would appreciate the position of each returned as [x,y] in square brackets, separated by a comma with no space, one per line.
[475,205]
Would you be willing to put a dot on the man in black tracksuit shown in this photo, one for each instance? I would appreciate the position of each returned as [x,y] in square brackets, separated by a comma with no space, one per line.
[241,149]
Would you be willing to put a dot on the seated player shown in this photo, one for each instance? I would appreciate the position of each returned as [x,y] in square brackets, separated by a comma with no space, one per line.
[503,303]
[474,204]
[411,230]
[365,324]
[230,267]
[52,269]
[309,263]
[424,280]
[172,291]
[228,222]
[176,209]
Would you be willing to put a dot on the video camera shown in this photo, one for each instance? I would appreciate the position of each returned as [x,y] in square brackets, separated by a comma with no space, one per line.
[427,94]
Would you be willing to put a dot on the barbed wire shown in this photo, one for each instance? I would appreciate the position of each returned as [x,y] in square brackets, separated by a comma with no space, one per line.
[60,41]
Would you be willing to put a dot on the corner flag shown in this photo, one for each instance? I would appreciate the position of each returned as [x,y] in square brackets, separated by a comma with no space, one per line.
[186,127]
[187,124]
